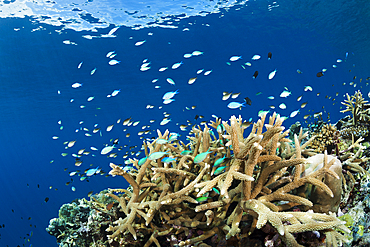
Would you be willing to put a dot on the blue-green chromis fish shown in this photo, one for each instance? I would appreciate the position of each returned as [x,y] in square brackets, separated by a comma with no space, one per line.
[142,161]
[185,152]
[219,161]
[202,199]
[168,159]
[157,155]
[216,190]
[200,157]
[219,170]
[161,141]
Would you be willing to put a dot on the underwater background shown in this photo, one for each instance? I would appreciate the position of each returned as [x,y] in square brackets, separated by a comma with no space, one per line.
[59,85]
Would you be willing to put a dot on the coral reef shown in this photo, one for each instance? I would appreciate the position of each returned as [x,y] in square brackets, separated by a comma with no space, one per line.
[226,188]
[82,223]
[356,131]
[197,196]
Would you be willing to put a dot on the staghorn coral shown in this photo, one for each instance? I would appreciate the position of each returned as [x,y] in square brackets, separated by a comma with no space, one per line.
[187,202]
[358,106]
[358,124]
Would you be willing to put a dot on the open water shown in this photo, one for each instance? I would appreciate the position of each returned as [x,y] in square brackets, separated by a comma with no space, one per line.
[42,44]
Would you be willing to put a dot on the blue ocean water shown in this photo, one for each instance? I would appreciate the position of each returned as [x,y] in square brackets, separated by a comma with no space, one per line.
[41,46]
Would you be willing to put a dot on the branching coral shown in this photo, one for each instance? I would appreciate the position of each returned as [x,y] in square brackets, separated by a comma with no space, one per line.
[358,106]
[326,139]
[359,124]
[254,185]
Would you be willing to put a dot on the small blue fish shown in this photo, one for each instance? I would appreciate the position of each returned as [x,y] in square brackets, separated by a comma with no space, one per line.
[115,92]
[235,58]
[107,149]
[285,94]
[140,42]
[156,155]
[216,190]
[197,53]
[185,152]
[294,113]
[92,171]
[76,85]
[167,101]
[170,95]
[168,159]
[219,170]
[262,112]
[176,65]
[200,157]
[161,141]
[202,199]
[113,62]
[256,57]
[110,53]
[170,81]
[219,161]
[92,71]
[142,161]
[173,136]
[235,105]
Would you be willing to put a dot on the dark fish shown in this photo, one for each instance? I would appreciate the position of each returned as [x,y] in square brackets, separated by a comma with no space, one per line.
[255,74]
[248,101]
[246,124]
[46,199]
[196,117]
[319,74]
[269,55]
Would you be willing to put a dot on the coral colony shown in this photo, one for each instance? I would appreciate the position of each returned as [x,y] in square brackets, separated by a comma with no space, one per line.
[228,188]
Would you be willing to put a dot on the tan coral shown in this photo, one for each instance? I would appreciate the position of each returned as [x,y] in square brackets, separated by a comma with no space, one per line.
[358,106]
[184,196]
